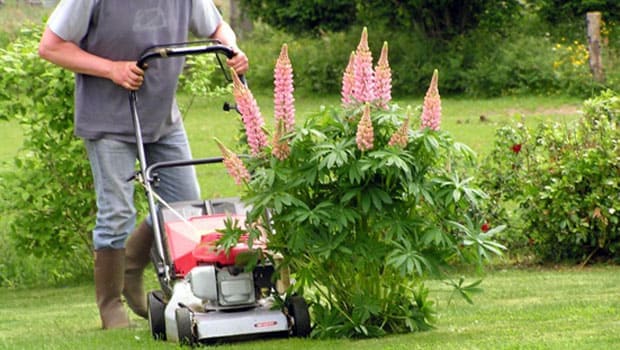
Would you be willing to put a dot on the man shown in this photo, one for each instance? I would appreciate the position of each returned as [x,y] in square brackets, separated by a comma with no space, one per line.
[100,40]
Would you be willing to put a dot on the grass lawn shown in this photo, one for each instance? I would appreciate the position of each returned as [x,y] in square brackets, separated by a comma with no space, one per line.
[551,308]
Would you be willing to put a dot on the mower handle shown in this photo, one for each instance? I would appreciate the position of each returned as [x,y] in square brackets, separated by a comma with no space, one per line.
[174,50]
[156,52]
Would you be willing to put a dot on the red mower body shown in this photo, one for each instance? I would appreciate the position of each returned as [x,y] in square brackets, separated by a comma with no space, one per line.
[194,245]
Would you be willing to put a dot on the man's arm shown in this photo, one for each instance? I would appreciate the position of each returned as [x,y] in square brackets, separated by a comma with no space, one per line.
[70,56]
[226,35]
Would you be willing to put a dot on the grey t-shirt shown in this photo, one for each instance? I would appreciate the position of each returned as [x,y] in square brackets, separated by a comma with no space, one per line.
[121,30]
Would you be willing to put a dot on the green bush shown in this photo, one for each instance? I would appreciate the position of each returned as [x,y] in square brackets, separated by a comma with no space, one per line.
[303,17]
[561,183]
[362,229]
[48,193]
[14,15]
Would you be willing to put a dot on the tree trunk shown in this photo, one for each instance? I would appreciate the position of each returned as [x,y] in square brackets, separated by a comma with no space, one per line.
[239,21]
[593,20]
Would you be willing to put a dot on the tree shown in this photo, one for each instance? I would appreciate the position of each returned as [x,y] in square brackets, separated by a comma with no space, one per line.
[239,20]
[558,11]
[439,19]
[300,17]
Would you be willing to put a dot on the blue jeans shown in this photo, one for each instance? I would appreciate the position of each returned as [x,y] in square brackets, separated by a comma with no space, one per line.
[114,162]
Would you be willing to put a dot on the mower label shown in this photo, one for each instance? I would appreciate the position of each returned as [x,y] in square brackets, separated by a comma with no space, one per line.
[265,324]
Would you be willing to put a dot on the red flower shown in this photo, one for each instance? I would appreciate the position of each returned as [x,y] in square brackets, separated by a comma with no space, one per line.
[485,227]
[516,148]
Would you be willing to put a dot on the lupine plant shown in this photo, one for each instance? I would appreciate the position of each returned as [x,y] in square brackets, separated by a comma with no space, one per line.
[361,206]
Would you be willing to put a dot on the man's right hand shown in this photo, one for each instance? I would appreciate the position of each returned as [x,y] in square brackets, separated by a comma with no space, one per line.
[127,74]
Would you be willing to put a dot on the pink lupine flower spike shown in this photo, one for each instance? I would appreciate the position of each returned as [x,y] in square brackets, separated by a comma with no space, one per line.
[365,133]
[383,79]
[401,137]
[252,118]
[284,107]
[347,82]
[431,109]
[234,165]
[363,74]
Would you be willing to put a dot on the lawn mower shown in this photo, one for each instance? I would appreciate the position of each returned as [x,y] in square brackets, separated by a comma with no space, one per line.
[205,295]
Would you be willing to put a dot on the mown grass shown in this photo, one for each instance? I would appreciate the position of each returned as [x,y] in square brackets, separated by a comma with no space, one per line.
[533,308]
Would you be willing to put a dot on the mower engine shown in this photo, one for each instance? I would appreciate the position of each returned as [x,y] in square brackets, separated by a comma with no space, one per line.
[219,287]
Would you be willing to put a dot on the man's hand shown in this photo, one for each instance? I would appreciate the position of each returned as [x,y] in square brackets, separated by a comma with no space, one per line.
[239,62]
[127,74]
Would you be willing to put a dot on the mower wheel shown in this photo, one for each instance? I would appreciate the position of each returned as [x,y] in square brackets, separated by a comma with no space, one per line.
[298,310]
[156,308]
[185,326]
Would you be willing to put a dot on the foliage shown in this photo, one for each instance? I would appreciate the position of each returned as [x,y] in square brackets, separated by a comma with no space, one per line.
[565,181]
[481,63]
[362,226]
[14,14]
[19,269]
[320,59]
[558,11]
[443,20]
[301,17]
[558,67]
[49,191]
[439,20]
[200,78]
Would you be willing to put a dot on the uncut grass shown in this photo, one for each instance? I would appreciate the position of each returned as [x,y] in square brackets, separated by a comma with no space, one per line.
[553,308]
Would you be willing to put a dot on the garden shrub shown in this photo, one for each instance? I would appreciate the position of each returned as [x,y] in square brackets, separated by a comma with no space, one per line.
[47,194]
[561,184]
[366,201]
